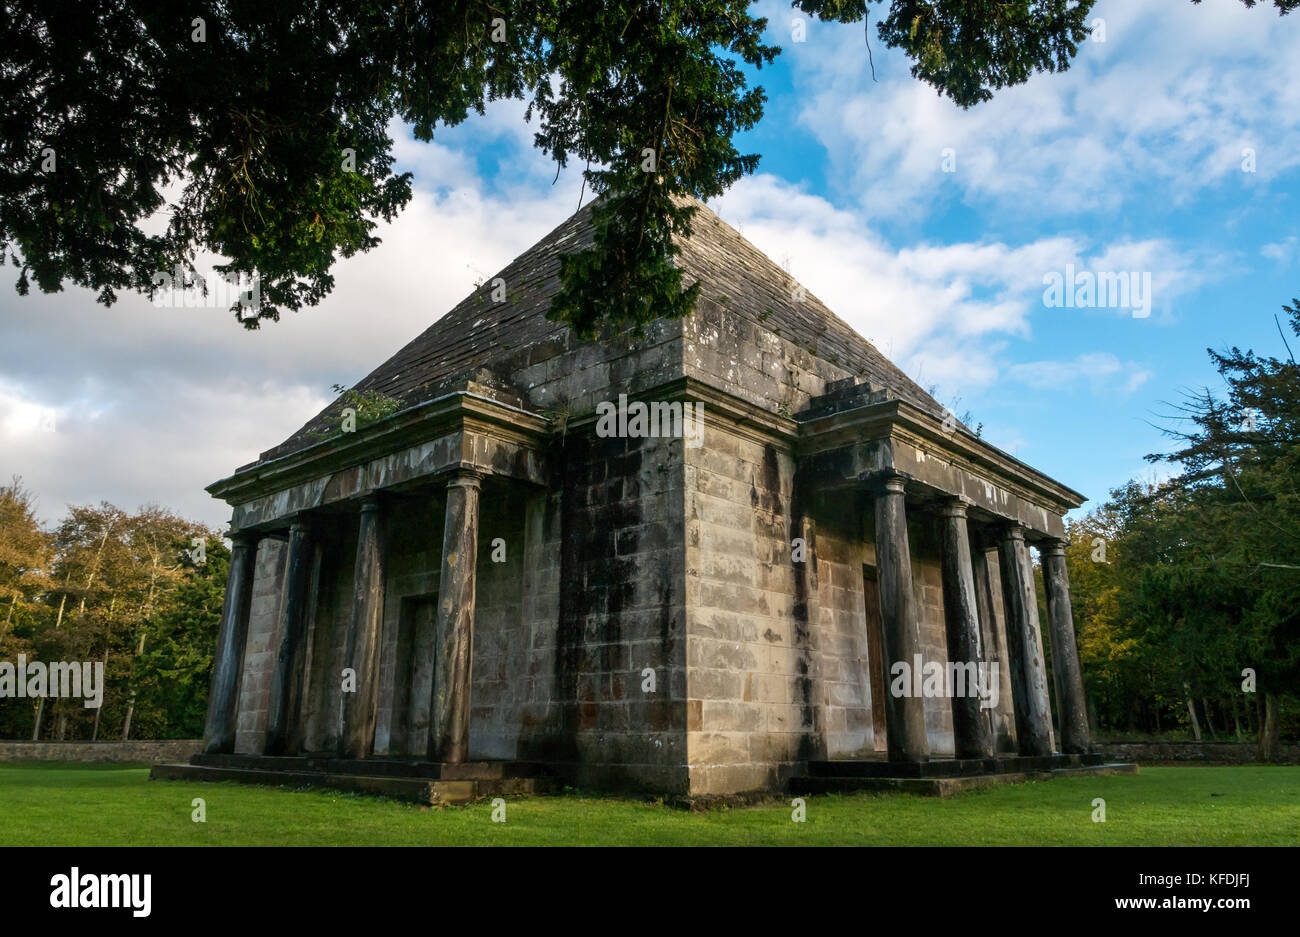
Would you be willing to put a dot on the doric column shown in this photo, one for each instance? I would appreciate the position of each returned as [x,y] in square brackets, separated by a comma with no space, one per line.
[971,735]
[1024,642]
[223,698]
[357,739]
[453,663]
[1065,652]
[905,714]
[287,679]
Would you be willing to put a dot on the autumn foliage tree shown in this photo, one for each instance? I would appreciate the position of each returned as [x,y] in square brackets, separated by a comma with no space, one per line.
[1193,613]
[99,587]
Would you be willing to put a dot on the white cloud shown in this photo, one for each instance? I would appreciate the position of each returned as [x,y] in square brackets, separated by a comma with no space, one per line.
[1168,103]
[1102,371]
[1282,251]
[946,313]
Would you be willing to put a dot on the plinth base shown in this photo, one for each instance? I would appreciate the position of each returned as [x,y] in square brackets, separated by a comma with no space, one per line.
[943,777]
[421,782]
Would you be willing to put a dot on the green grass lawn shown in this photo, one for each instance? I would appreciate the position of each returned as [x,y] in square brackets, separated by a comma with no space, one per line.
[43,803]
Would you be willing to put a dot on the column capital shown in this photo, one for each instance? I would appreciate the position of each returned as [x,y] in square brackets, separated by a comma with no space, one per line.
[955,506]
[370,502]
[243,538]
[465,478]
[886,481]
[301,524]
[1053,546]
[1012,531]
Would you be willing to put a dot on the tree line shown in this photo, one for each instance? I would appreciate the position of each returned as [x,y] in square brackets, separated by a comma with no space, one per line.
[140,593]
[1187,592]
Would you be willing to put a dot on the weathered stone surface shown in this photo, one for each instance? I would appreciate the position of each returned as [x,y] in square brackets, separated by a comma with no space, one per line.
[259,647]
[287,678]
[361,657]
[993,631]
[1072,705]
[972,738]
[131,750]
[454,631]
[1025,644]
[634,610]
[228,663]
[905,719]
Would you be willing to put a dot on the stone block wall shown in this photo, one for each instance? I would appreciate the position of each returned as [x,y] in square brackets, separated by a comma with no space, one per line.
[779,667]
[778,657]
[1232,753]
[840,538]
[568,377]
[164,750]
[727,349]
[501,634]
[923,533]
[619,611]
[750,702]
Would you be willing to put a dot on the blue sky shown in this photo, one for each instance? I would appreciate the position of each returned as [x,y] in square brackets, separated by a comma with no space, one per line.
[1130,161]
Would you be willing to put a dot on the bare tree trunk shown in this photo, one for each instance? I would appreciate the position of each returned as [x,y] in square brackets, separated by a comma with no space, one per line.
[1209,723]
[1191,709]
[63,726]
[130,706]
[94,568]
[1268,732]
[40,711]
[94,732]
[108,633]
[1236,718]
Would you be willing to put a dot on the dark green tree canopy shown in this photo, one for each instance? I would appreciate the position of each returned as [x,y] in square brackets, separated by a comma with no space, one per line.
[266,124]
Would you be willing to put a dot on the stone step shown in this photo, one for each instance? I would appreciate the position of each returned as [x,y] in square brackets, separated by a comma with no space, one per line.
[433,792]
[376,767]
[946,786]
[949,767]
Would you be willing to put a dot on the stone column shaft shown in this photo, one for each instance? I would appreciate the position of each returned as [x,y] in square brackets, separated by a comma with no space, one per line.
[357,739]
[971,735]
[1024,642]
[223,698]
[453,660]
[287,679]
[1002,718]
[904,715]
[1065,653]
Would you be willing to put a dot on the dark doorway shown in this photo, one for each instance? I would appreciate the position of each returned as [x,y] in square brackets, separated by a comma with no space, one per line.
[413,676]
[875,658]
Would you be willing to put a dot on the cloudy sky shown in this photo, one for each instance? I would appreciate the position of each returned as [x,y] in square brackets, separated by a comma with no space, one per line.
[1170,150]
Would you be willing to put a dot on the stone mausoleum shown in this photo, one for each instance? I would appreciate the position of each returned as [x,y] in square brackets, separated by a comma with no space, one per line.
[485,592]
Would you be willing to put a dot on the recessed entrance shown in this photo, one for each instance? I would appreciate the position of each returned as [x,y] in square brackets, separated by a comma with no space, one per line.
[875,658]
[413,675]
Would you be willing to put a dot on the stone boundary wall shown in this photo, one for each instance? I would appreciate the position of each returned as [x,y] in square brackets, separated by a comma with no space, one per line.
[169,750]
[1237,753]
